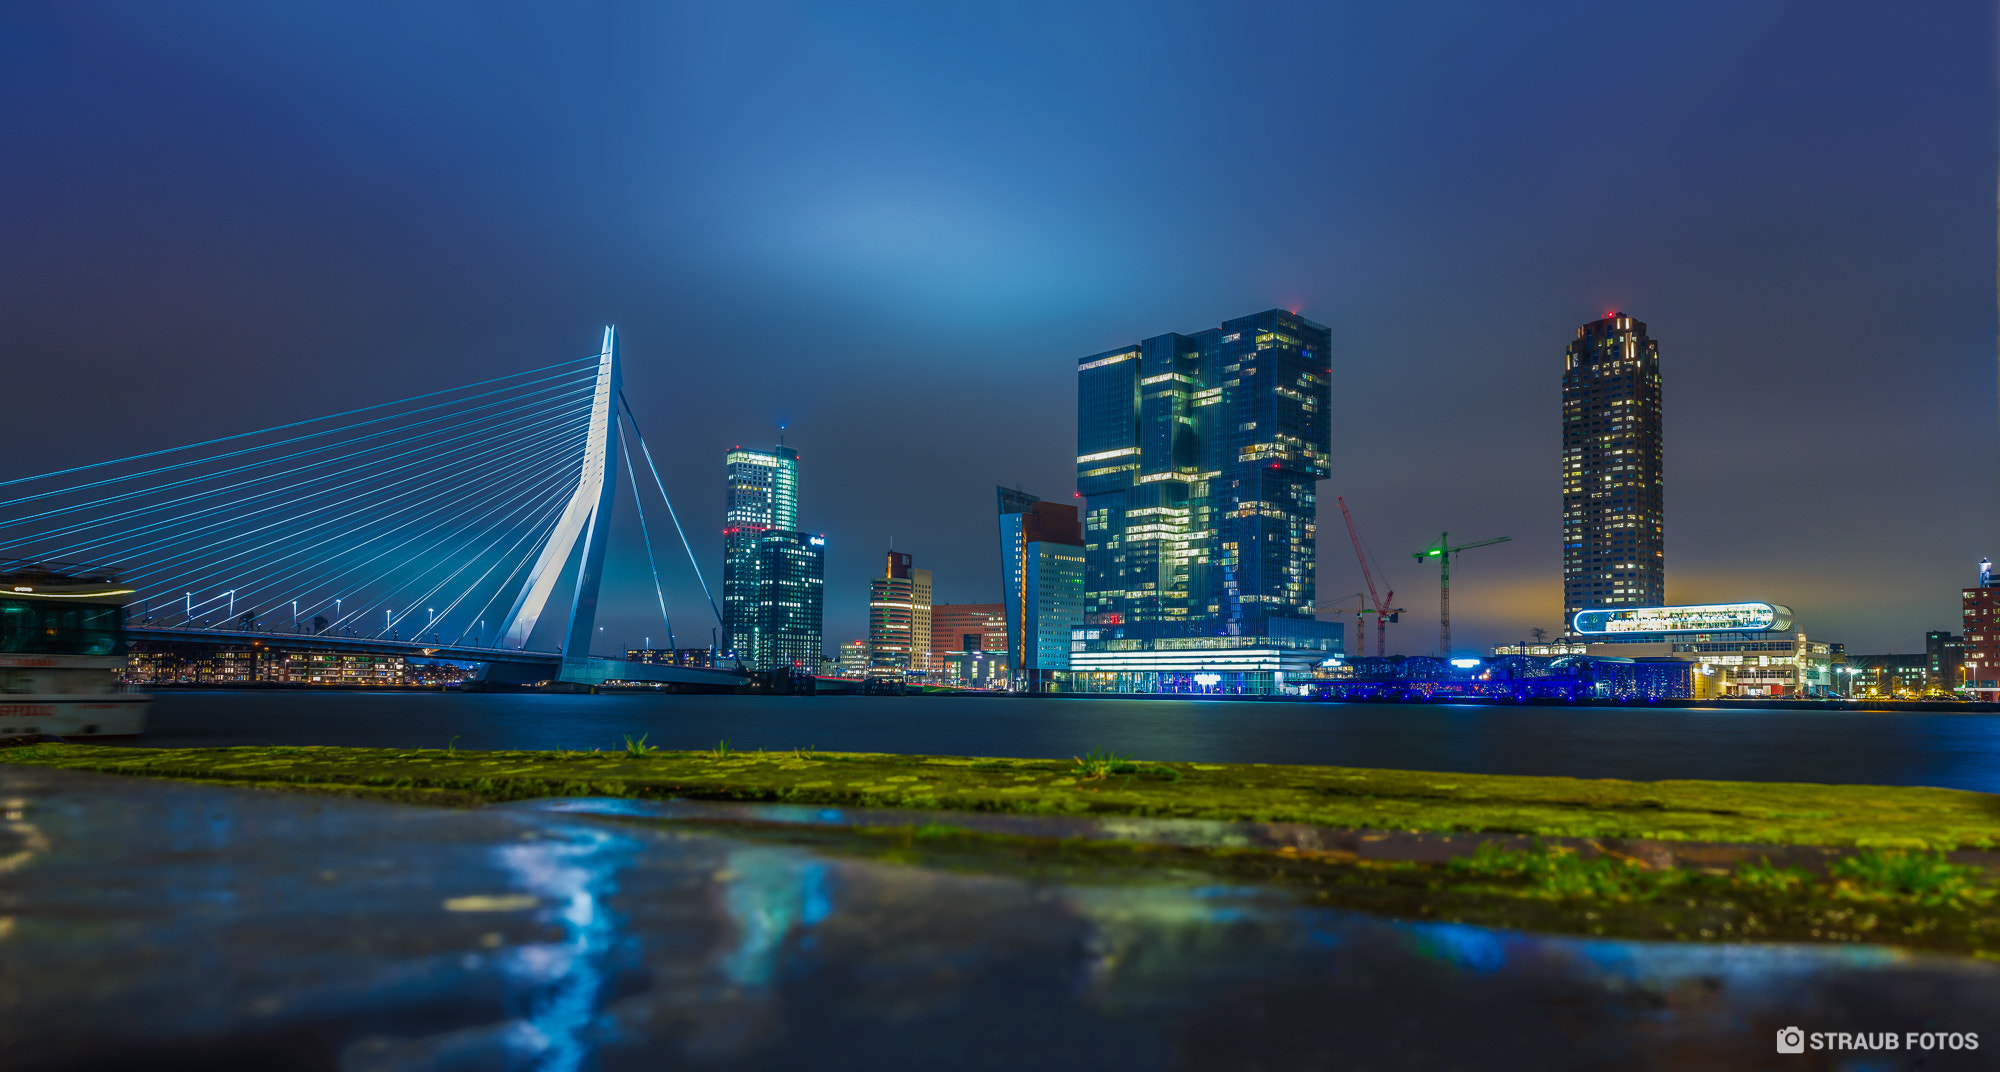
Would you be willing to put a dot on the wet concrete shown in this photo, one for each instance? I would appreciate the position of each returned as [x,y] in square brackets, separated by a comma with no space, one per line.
[165,925]
[1323,842]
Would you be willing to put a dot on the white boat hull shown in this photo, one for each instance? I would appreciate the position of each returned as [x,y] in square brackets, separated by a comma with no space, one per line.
[82,717]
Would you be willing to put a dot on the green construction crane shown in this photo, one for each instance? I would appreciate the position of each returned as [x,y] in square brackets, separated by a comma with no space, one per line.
[1442,551]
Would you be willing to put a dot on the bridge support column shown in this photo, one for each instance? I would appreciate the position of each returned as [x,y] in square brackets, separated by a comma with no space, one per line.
[586,519]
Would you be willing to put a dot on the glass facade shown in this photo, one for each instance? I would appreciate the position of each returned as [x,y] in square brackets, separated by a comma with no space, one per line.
[1613,493]
[773,577]
[1042,564]
[1198,457]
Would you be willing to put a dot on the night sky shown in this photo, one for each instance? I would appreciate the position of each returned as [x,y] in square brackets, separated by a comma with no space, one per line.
[896,227]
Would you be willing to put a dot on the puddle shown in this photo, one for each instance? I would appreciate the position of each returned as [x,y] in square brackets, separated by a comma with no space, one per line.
[163,923]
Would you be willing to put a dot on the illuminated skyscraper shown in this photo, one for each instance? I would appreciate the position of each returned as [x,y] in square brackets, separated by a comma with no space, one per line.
[763,489]
[899,620]
[1613,528]
[1198,458]
[773,577]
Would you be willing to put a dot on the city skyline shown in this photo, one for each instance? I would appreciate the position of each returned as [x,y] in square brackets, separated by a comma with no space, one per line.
[1791,208]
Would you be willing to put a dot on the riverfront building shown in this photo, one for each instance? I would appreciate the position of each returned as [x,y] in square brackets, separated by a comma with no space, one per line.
[1980,611]
[853,660]
[1198,459]
[1944,653]
[1042,561]
[968,643]
[1738,649]
[1613,492]
[237,662]
[773,576]
[899,620]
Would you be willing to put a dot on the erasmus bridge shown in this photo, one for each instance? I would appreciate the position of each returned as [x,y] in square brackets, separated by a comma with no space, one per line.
[440,525]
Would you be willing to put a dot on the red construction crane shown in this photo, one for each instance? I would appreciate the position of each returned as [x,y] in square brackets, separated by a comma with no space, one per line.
[1384,613]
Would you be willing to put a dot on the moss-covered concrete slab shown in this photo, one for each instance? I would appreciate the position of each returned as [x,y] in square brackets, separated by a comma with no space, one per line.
[1344,797]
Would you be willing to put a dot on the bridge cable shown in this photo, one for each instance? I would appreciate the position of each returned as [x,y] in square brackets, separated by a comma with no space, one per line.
[219,457]
[532,420]
[552,480]
[293,424]
[658,483]
[371,478]
[160,566]
[626,450]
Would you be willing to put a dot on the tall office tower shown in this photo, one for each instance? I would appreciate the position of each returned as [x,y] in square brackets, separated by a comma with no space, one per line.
[763,488]
[1042,583]
[1613,550]
[1198,456]
[773,576]
[899,620]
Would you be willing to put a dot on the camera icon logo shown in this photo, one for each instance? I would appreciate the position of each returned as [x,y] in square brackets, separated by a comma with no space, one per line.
[1791,1040]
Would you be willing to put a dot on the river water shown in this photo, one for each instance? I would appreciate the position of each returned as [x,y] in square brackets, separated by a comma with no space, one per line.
[1948,750]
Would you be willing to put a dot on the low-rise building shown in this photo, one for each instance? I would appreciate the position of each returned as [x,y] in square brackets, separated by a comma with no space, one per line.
[152,662]
[969,644]
[1739,649]
[1887,676]
[1945,653]
[853,661]
[1284,660]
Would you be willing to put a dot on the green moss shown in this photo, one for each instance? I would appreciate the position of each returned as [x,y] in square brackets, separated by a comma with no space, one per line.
[1894,887]
[1542,889]
[1742,812]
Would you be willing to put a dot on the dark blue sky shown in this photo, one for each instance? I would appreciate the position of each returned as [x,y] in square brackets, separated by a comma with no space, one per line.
[896,226]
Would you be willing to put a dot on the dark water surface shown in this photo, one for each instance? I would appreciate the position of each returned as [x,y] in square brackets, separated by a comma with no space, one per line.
[1949,750]
[157,925]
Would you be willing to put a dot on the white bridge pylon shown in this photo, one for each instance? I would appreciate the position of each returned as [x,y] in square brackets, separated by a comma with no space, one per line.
[587,518]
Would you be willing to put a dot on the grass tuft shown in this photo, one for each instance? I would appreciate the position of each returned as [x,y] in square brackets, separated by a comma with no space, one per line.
[639,747]
[1923,878]
[1099,765]
[1559,874]
[1782,881]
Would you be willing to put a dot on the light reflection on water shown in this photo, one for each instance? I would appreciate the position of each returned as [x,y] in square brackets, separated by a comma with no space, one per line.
[560,981]
[655,946]
[769,894]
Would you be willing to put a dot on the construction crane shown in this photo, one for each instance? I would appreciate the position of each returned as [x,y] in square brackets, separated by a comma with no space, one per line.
[1384,613]
[1442,551]
[1336,605]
